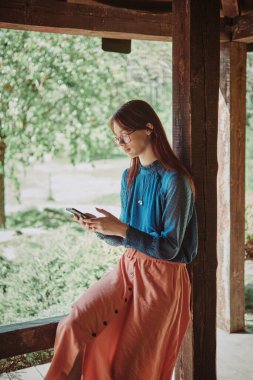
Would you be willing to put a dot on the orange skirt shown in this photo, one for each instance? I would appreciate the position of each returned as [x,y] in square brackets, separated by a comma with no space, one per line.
[129,325]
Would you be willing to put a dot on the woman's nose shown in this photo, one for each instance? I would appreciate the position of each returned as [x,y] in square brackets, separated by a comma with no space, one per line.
[122,142]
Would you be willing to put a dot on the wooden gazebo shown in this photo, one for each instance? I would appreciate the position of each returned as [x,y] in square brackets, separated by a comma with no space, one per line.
[210,43]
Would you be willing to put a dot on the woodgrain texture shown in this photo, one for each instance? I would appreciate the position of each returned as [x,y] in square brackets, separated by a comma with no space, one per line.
[231,187]
[90,18]
[21,338]
[237,183]
[230,8]
[195,126]
[93,18]
[242,30]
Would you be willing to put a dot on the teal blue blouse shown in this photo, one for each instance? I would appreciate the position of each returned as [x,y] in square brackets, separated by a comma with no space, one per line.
[163,224]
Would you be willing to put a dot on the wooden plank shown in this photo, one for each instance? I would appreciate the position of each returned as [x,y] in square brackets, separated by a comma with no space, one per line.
[231,185]
[91,19]
[242,30]
[195,126]
[237,183]
[154,5]
[230,8]
[21,338]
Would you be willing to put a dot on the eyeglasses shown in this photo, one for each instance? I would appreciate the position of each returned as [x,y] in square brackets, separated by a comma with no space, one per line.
[125,138]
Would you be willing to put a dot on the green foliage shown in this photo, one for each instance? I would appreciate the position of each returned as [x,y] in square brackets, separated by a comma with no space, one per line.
[58,92]
[249,222]
[249,125]
[47,218]
[18,362]
[249,297]
[50,271]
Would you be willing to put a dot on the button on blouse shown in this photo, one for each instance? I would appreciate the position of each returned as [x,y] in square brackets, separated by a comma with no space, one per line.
[164,226]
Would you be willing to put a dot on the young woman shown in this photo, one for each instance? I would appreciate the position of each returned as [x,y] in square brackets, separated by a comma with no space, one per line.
[131,323]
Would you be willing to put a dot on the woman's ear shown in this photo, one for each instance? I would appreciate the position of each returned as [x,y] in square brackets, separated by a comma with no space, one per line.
[149,128]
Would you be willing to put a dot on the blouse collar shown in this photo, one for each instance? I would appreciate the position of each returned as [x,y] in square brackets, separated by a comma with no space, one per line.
[150,168]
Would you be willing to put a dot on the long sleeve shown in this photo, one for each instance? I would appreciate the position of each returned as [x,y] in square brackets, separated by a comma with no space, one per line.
[115,240]
[111,239]
[177,211]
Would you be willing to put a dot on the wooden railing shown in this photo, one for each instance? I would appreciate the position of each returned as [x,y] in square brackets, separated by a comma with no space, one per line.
[32,336]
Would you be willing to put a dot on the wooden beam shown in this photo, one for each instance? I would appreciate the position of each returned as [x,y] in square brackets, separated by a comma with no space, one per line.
[153,5]
[246,6]
[90,19]
[242,30]
[230,8]
[250,47]
[225,30]
[116,46]
[21,338]
[195,126]
[231,187]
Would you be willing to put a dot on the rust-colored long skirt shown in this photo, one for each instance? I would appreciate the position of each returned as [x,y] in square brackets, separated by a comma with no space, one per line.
[129,325]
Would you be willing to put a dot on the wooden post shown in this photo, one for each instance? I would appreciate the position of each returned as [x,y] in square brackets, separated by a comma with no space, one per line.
[196,48]
[231,187]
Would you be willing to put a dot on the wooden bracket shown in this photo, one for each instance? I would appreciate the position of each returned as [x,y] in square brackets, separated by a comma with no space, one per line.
[116,45]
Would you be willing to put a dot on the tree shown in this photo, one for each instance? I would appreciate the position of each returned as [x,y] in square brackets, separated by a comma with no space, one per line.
[249,124]
[58,92]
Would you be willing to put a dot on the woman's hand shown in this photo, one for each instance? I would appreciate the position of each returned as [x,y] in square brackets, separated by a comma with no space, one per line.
[81,220]
[108,225]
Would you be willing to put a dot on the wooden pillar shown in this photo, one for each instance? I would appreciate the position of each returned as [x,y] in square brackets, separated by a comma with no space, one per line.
[231,187]
[196,48]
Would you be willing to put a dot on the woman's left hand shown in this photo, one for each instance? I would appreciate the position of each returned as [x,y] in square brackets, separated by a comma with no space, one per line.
[108,225]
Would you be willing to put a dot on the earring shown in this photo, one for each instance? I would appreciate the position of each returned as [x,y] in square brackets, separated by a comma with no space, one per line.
[149,127]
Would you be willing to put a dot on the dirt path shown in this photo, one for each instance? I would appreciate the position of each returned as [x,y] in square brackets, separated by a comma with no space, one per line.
[70,185]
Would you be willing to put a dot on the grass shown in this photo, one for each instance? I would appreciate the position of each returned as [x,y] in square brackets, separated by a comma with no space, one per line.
[51,269]
[48,218]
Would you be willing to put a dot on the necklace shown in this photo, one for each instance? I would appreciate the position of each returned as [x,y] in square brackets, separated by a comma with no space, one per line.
[140,201]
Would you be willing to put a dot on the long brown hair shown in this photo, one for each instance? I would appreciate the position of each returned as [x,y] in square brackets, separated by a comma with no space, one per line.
[135,115]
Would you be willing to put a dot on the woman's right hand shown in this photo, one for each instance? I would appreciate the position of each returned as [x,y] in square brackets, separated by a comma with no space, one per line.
[81,220]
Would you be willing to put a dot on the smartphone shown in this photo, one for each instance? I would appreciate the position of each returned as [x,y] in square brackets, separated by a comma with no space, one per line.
[78,213]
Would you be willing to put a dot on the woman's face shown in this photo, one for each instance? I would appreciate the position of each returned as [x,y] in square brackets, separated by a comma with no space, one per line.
[139,140]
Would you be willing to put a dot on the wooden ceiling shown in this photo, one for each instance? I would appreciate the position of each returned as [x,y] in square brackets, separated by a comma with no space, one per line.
[234,8]
[121,19]
[229,8]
